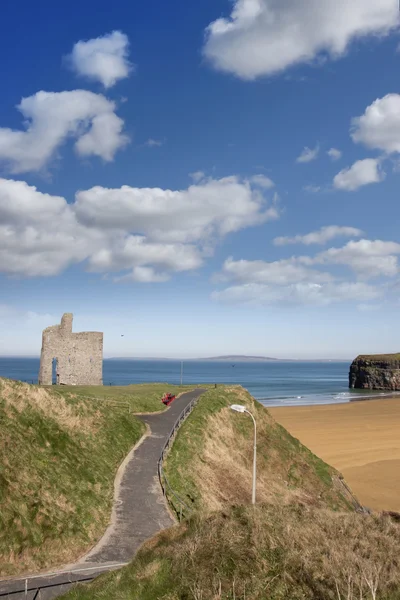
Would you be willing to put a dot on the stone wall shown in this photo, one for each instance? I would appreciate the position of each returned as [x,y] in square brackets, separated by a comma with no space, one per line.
[79,356]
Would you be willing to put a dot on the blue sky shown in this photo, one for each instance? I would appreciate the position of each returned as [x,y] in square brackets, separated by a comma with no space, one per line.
[201,179]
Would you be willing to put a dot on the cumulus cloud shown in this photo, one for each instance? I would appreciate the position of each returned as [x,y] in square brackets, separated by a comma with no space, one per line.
[363,172]
[264,37]
[280,272]
[262,181]
[197,176]
[310,279]
[298,293]
[39,234]
[210,208]
[138,234]
[125,252]
[323,235]
[379,126]
[103,59]
[308,154]
[367,258]
[51,118]
[334,154]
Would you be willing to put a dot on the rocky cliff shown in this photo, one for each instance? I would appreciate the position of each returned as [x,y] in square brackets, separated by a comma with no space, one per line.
[375,372]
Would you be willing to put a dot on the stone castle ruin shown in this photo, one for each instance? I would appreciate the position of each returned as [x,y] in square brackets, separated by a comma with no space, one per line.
[78,357]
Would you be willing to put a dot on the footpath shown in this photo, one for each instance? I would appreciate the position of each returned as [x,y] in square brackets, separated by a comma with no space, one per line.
[139,512]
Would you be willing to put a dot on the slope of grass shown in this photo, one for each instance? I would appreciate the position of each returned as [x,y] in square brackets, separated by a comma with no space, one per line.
[261,553]
[59,453]
[210,464]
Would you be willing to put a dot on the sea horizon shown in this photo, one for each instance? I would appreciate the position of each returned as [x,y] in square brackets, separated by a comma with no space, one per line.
[273,383]
[205,359]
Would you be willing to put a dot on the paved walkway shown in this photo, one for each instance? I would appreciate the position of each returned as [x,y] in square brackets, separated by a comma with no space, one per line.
[139,510]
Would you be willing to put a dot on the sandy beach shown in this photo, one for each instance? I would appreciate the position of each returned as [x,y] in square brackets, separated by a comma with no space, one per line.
[360,439]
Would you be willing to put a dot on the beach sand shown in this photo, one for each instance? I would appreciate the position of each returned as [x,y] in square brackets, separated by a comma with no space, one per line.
[360,439]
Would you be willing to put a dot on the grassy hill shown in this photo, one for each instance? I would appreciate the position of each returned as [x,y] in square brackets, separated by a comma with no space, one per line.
[303,541]
[59,453]
[210,465]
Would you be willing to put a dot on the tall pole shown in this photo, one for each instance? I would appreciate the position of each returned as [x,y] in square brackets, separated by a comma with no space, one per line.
[253,496]
[181,371]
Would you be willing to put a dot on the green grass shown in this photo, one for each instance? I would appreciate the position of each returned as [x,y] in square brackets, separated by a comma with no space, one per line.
[59,452]
[141,398]
[379,357]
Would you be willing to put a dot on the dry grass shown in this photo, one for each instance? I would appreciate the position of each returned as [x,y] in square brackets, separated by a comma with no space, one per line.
[265,553]
[210,465]
[223,468]
[51,403]
[360,439]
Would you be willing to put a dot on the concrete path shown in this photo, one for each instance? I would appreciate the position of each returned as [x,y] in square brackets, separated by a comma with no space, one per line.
[139,511]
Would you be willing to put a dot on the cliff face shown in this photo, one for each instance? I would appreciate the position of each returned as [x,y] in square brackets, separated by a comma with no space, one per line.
[379,372]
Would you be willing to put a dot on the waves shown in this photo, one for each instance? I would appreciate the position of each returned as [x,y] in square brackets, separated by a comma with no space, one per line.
[326,398]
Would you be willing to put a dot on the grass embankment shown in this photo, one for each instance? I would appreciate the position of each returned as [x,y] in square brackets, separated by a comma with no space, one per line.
[59,453]
[210,465]
[301,542]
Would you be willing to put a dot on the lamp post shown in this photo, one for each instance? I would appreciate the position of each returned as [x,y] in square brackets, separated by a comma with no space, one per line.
[242,409]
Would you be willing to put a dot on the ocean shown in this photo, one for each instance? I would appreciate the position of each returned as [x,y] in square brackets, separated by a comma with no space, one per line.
[275,383]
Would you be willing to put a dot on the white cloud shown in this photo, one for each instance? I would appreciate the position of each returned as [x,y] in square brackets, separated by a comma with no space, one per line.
[323,235]
[262,181]
[138,234]
[312,189]
[124,252]
[367,258]
[103,59]
[363,172]
[298,293]
[51,118]
[379,126]
[264,37]
[197,176]
[334,154]
[39,234]
[280,272]
[308,154]
[296,280]
[151,143]
[211,208]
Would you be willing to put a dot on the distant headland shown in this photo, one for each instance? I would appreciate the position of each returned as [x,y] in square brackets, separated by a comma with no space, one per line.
[233,358]
[240,358]
[228,358]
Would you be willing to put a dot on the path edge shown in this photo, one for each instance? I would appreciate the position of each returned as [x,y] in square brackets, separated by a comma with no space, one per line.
[117,490]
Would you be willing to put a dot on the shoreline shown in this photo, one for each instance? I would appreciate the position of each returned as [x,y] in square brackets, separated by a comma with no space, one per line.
[325,399]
